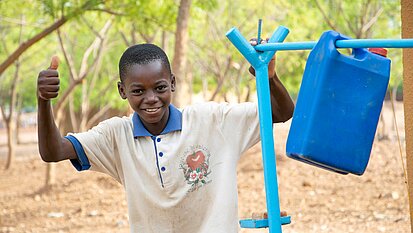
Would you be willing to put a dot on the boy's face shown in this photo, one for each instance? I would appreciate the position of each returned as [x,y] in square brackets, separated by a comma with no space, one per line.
[148,89]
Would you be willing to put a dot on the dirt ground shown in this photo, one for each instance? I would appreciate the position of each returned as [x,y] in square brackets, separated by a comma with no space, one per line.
[317,200]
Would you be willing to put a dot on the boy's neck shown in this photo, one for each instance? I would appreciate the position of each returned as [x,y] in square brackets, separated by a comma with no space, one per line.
[158,127]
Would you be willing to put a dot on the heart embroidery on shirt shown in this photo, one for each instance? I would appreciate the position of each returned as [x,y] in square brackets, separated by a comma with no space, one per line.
[195,165]
[195,160]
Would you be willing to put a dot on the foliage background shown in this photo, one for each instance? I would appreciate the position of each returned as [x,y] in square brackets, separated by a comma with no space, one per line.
[210,54]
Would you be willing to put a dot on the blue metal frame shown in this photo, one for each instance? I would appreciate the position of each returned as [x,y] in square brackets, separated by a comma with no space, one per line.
[260,60]
[359,43]
[259,56]
[261,223]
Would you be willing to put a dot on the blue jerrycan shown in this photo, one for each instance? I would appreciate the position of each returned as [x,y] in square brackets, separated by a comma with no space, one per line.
[338,107]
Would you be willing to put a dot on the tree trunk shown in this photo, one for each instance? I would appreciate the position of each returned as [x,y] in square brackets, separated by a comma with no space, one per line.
[50,174]
[11,120]
[11,142]
[190,77]
[204,87]
[179,60]
[164,42]
[18,118]
[407,32]
[72,114]
[84,106]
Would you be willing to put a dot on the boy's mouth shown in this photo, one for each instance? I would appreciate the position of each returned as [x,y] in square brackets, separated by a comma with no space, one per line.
[150,110]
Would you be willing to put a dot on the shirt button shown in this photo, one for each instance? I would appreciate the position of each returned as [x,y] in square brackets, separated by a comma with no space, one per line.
[158,140]
[163,169]
[160,154]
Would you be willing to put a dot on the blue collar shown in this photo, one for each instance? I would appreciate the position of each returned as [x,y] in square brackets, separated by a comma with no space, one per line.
[174,123]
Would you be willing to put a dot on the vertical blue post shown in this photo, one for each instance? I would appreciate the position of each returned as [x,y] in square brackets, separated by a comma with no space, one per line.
[259,31]
[260,60]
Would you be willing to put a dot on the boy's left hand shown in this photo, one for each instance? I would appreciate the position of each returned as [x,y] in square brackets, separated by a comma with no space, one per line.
[271,65]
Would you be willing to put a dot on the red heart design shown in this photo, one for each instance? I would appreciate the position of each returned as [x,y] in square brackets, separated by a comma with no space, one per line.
[195,160]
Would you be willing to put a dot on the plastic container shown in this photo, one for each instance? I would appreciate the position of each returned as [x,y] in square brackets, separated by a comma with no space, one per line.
[338,107]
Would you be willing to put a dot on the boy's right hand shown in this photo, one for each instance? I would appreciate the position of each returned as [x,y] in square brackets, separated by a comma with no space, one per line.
[48,82]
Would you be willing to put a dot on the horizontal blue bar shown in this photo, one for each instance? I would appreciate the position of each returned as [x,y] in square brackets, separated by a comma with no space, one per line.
[261,223]
[359,43]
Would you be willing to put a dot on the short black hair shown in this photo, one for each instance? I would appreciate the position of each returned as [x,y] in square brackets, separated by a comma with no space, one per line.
[142,54]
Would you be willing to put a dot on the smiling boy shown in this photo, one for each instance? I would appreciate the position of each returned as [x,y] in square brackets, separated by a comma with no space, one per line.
[178,168]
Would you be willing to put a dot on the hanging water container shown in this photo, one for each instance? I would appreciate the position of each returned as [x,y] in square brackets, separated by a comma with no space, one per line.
[338,107]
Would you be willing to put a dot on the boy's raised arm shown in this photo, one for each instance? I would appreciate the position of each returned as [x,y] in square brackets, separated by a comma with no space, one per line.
[52,146]
[281,103]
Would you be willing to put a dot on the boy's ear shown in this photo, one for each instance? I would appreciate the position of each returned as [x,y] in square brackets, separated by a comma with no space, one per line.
[121,89]
[173,82]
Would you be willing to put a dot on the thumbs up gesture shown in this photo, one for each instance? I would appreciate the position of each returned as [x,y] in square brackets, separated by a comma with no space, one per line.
[48,82]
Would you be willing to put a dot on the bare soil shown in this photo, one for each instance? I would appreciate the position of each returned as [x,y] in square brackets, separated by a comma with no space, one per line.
[317,200]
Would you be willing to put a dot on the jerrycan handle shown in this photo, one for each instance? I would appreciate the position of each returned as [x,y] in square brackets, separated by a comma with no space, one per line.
[359,53]
[326,45]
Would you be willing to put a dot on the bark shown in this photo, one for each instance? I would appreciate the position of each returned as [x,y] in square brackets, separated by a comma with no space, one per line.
[407,32]
[18,118]
[11,119]
[72,115]
[164,42]
[50,174]
[85,106]
[11,144]
[181,46]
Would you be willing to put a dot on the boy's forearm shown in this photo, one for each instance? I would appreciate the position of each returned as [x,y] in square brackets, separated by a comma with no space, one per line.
[49,138]
[281,102]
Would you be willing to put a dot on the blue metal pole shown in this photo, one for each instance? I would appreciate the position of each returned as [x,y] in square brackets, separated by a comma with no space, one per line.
[259,31]
[268,153]
[260,63]
[359,43]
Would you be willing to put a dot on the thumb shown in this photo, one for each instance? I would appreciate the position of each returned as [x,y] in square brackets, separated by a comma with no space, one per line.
[54,64]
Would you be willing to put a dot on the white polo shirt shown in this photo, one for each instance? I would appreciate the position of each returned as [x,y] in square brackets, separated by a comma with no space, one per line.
[183,180]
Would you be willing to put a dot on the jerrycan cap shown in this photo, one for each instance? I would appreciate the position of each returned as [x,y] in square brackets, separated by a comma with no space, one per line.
[379,51]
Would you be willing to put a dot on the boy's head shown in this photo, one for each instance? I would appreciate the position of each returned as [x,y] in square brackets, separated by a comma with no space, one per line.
[142,54]
[147,82]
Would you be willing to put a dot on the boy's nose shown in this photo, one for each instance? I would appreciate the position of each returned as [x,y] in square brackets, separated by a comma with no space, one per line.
[151,96]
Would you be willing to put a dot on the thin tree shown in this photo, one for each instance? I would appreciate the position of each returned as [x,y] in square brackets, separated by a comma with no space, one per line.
[180,52]
[10,114]
[75,78]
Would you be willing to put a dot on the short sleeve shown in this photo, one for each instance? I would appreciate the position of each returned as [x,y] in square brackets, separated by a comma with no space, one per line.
[96,148]
[81,163]
[240,124]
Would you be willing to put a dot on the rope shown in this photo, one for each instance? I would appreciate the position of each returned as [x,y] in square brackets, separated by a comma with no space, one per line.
[398,139]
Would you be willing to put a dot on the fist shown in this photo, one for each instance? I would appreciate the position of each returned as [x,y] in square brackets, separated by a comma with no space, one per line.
[48,82]
[271,64]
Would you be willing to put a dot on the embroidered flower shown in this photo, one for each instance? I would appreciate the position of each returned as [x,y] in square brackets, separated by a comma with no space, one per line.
[193,176]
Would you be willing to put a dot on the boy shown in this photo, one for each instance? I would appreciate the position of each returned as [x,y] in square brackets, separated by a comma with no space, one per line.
[178,168]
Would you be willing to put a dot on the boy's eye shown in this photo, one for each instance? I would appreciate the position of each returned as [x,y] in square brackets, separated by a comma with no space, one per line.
[161,88]
[137,91]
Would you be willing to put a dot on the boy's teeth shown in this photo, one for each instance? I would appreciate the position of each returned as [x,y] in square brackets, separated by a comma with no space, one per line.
[151,109]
